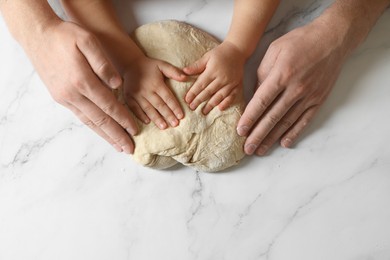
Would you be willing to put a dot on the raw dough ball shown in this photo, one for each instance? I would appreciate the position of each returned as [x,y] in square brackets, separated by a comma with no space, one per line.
[207,143]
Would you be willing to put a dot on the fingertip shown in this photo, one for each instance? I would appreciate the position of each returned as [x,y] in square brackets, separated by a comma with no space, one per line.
[242,130]
[286,142]
[132,130]
[189,98]
[193,106]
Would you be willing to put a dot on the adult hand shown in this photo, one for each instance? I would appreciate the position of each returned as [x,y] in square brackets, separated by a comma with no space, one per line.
[79,76]
[295,77]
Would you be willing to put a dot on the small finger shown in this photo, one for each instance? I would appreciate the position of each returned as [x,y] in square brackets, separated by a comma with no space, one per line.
[171,71]
[152,113]
[224,96]
[291,136]
[137,110]
[228,100]
[165,111]
[205,94]
[197,67]
[201,83]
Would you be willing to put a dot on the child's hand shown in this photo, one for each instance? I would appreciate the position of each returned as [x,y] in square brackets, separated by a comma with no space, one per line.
[148,96]
[221,71]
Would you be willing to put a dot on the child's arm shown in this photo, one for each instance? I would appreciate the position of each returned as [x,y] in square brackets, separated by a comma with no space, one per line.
[221,69]
[145,90]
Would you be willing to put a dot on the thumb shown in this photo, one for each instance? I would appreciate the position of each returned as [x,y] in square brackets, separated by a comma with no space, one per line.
[171,71]
[100,64]
[197,67]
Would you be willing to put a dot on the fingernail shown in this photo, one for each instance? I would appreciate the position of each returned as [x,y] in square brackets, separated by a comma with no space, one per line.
[262,149]
[162,125]
[179,115]
[242,130]
[115,82]
[126,149]
[117,148]
[287,143]
[174,123]
[192,106]
[250,148]
[131,131]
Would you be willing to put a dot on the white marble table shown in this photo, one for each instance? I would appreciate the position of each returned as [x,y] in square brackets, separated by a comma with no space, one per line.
[66,194]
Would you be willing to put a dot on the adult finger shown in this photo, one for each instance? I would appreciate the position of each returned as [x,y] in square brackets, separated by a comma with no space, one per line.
[91,49]
[103,121]
[268,121]
[284,124]
[262,99]
[291,136]
[106,101]
[85,120]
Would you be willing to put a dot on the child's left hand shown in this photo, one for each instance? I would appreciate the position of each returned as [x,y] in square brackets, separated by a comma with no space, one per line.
[221,71]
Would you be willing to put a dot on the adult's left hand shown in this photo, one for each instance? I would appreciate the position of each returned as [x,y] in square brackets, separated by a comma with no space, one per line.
[295,77]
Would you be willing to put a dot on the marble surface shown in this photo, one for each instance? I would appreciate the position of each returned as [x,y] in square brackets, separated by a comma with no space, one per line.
[66,194]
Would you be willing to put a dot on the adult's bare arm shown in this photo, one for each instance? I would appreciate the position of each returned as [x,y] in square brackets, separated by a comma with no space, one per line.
[299,70]
[73,66]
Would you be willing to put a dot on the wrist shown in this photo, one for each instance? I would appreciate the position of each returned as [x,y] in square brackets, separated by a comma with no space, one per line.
[239,51]
[28,20]
[348,22]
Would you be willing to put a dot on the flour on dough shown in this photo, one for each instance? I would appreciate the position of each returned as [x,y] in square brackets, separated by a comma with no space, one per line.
[207,143]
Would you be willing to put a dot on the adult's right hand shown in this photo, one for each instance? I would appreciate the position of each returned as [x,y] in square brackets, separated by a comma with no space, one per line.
[78,75]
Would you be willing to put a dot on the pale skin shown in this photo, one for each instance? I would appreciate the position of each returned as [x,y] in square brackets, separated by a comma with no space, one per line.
[221,70]
[82,79]
[146,93]
[299,70]
[74,67]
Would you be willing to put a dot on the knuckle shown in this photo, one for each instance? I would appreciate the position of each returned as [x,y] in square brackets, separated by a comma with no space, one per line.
[88,122]
[285,124]
[261,103]
[273,119]
[159,105]
[104,69]
[109,109]
[88,40]
[102,121]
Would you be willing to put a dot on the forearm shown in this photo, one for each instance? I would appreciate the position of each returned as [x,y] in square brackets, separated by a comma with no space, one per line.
[27,20]
[350,21]
[250,19]
[105,25]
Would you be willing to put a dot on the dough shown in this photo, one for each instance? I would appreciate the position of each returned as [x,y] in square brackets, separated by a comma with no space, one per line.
[207,143]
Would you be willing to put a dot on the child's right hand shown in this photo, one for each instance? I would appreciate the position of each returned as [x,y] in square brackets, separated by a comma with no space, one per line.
[147,95]
[221,71]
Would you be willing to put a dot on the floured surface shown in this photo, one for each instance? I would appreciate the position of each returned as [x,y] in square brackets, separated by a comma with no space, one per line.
[208,143]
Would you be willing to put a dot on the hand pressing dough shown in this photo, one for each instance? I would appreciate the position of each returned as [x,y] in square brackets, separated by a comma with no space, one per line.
[207,143]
